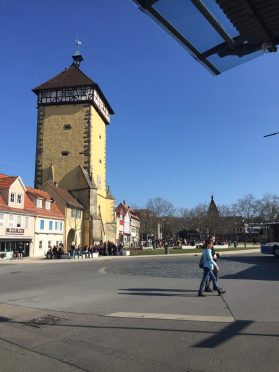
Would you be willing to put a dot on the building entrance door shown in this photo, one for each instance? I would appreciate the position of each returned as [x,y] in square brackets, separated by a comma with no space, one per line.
[70,238]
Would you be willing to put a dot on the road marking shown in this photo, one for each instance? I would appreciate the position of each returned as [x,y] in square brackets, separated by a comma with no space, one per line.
[197,318]
[102,270]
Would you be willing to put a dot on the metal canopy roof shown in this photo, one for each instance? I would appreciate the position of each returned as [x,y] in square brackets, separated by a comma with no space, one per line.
[220,34]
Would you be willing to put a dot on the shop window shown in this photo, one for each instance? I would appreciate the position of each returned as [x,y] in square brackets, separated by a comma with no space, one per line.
[2,246]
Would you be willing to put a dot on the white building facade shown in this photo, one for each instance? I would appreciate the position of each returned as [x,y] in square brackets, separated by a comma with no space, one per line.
[17,218]
[49,224]
[128,226]
[29,220]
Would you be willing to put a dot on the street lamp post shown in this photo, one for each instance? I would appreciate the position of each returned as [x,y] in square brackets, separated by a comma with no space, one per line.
[271,134]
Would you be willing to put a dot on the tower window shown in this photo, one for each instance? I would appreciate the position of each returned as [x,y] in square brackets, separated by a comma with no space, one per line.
[65,153]
[67,126]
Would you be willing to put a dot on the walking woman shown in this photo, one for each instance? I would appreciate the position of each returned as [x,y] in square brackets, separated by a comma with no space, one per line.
[208,265]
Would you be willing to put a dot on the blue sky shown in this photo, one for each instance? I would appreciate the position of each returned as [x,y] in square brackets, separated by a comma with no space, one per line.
[178,132]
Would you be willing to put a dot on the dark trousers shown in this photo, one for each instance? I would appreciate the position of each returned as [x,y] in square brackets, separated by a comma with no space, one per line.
[207,272]
[215,272]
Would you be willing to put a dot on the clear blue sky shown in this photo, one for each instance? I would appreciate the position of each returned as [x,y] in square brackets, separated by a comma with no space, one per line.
[178,132]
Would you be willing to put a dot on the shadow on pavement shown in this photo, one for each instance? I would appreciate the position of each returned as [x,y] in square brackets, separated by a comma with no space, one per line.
[214,339]
[156,290]
[228,332]
[164,292]
[257,267]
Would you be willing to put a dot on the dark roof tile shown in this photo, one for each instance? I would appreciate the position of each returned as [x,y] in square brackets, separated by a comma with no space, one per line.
[70,77]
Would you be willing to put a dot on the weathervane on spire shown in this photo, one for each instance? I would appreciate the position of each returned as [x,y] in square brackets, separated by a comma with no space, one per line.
[77,57]
[78,43]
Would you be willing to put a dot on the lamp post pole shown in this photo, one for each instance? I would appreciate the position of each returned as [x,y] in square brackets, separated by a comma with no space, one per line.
[271,134]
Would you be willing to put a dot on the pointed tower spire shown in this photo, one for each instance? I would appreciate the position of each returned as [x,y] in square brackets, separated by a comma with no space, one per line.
[77,57]
[212,209]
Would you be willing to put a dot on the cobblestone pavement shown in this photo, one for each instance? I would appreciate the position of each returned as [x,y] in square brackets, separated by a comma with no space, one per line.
[231,267]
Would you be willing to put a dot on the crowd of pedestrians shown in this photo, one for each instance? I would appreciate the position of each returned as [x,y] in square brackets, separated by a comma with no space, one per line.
[55,251]
[78,251]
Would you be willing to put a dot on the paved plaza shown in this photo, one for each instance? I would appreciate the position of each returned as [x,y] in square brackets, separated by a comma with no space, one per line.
[138,314]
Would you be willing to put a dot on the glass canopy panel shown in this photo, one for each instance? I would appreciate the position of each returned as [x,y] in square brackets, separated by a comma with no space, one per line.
[189,22]
[189,25]
[225,63]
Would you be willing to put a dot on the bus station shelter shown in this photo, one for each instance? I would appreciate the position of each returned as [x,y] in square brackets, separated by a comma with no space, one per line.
[220,34]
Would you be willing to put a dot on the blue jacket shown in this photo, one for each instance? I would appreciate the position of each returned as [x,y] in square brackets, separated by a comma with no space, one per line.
[207,259]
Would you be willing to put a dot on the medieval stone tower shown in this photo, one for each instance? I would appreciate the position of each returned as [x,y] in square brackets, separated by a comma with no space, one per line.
[73,115]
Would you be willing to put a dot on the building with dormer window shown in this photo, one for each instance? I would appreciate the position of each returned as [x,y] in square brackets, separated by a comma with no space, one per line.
[49,224]
[29,220]
[17,217]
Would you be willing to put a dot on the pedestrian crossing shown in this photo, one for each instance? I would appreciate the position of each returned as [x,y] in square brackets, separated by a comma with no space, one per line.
[184,317]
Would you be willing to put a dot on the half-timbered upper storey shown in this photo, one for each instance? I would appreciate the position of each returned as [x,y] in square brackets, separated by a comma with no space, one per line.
[73,86]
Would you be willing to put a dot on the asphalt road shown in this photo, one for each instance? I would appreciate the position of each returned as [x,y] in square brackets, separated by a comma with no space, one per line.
[138,314]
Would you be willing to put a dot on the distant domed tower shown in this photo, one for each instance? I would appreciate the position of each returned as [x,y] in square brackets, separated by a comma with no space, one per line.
[73,115]
[212,209]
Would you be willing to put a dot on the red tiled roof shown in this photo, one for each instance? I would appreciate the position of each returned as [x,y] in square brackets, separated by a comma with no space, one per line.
[6,181]
[28,204]
[52,212]
[38,193]
[124,207]
[29,207]
[2,201]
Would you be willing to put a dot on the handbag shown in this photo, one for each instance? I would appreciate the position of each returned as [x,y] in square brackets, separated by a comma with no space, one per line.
[201,263]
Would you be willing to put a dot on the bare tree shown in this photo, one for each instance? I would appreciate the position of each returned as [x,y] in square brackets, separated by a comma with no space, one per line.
[148,223]
[160,207]
[247,208]
[269,208]
[225,210]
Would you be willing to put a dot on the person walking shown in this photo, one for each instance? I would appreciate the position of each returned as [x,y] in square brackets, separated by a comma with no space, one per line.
[208,265]
[215,256]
